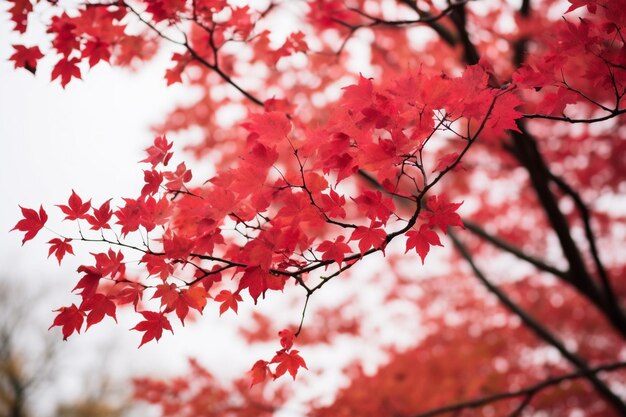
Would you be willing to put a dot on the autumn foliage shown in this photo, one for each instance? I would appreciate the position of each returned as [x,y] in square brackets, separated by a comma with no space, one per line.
[489,133]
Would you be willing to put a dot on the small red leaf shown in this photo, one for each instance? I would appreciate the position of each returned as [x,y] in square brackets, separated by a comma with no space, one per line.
[70,319]
[66,69]
[288,362]
[228,300]
[258,373]
[101,217]
[26,57]
[32,222]
[422,240]
[152,326]
[60,248]
[98,306]
[75,208]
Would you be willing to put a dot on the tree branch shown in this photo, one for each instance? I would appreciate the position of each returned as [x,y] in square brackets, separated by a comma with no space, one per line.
[514,250]
[529,391]
[542,332]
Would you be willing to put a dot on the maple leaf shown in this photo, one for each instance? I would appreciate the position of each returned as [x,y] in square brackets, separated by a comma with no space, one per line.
[229,300]
[421,240]
[173,75]
[258,280]
[26,57]
[173,299]
[286,338]
[259,372]
[288,362]
[168,293]
[129,216]
[60,248]
[127,293]
[268,128]
[153,326]
[332,204]
[32,222]
[446,161]
[194,297]
[70,319]
[75,208]
[334,251]
[176,179]
[153,180]
[67,69]
[98,306]
[159,152]
[369,237]
[101,217]
[88,284]
[157,265]
[241,21]
[110,263]
[19,11]
[358,96]
[97,51]
[374,205]
[442,214]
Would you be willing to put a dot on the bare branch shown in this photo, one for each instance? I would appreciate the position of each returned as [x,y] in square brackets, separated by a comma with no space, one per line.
[542,332]
[529,391]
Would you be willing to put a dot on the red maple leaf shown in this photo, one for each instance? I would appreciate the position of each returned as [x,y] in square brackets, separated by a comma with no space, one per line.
[152,326]
[176,179]
[19,13]
[332,204]
[32,222]
[26,57]
[98,306]
[422,240]
[97,51]
[286,338]
[446,161]
[110,263]
[60,248]
[442,214]
[101,217]
[334,251]
[153,179]
[288,362]
[229,300]
[70,319]
[88,284]
[75,208]
[127,293]
[259,372]
[194,297]
[67,69]
[374,205]
[369,237]
[159,152]
[258,280]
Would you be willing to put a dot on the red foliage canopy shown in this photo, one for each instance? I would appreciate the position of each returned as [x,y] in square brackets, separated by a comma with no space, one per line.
[492,129]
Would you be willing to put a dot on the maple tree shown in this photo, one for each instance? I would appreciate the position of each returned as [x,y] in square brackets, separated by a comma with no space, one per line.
[491,129]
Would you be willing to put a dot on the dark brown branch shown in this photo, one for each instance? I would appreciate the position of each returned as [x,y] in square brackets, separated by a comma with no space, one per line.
[529,391]
[214,67]
[611,115]
[459,18]
[525,149]
[536,327]
[591,240]
[512,249]
[441,30]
